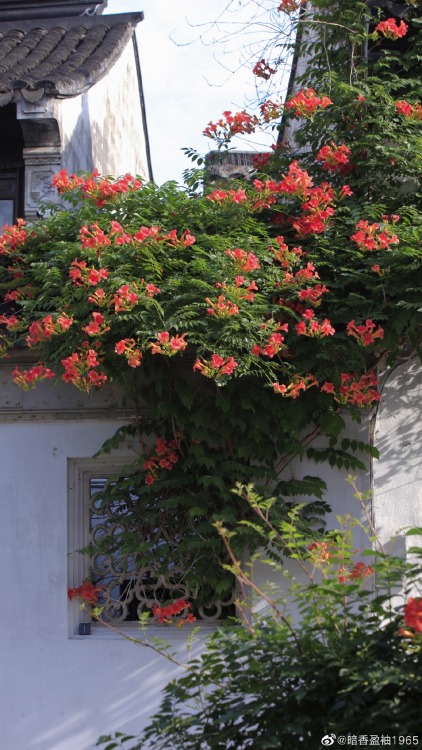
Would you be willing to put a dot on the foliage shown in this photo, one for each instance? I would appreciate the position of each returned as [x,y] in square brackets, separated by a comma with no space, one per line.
[241,323]
[345,666]
[338,655]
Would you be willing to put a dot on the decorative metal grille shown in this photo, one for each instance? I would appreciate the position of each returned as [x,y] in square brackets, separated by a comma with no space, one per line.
[127,592]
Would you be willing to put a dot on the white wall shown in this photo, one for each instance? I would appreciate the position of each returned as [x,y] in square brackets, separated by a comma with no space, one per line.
[398,475]
[57,693]
[61,693]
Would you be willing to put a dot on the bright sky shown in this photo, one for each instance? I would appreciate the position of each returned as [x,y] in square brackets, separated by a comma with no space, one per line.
[185,86]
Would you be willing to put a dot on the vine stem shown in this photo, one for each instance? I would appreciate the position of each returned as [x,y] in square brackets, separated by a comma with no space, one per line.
[243,578]
[285,460]
[139,642]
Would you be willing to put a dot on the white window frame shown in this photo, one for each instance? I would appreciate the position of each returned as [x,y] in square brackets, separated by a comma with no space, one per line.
[80,473]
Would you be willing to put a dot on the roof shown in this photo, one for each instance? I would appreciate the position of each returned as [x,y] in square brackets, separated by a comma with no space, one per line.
[11,9]
[60,57]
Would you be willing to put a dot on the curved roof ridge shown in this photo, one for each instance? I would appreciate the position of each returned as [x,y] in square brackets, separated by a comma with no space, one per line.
[60,57]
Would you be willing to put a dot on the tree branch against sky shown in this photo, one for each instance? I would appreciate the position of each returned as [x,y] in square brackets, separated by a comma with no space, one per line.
[197,61]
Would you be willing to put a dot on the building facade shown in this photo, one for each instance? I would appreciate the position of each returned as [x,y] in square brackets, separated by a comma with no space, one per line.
[71,98]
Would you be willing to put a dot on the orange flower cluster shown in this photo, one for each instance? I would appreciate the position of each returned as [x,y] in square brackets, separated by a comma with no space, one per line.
[357,391]
[164,614]
[411,111]
[259,161]
[246,262]
[99,189]
[147,233]
[357,573]
[412,617]
[294,388]
[391,29]
[333,158]
[93,237]
[164,457]
[13,237]
[216,367]
[321,552]
[168,345]
[365,333]
[41,330]
[317,203]
[185,240]
[123,299]
[82,275]
[86,591]
[303,276]
[229,125]
[22,292]
[313,294]
[274,344]
[262,70]
[283,255]
[228,196]
[129,348]
[309,326]
[11,322]
[120,237]
[80,369]
[297,182]
[271,110]
[240,294]
[248,293]
[306,102]
[369,238]
[317,210]
[289,6]
[97,327]
[126,297]
[29,378]
[223,308]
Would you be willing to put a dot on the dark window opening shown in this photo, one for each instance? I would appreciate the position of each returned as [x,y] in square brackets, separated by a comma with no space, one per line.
[11,166]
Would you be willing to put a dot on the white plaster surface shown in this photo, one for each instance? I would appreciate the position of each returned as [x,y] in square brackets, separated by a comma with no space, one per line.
[57,693]
[49,401]
[61,693]
[397,477]
[103,128]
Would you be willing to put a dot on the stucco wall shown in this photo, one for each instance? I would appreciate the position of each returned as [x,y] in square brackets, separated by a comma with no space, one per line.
[397,476]
[57,693]
[103,128]
[61,693]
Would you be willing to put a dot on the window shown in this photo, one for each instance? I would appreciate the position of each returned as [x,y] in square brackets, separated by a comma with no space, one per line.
[11,166]
[126,591]
[10,191]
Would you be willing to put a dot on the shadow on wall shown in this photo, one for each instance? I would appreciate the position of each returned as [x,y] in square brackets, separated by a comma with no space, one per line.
[398,436]
[78,152]
[398,432]
[85,709]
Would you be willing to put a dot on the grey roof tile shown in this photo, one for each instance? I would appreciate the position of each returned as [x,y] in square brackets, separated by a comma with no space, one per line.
[60,57]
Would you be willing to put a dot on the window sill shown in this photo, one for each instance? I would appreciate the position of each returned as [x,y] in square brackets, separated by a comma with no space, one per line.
[168,633]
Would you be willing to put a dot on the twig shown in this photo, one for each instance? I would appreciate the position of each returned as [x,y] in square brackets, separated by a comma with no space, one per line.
[138,642]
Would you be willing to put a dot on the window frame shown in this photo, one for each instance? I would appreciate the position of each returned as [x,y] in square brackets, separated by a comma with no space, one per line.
[16,194]
[80,472]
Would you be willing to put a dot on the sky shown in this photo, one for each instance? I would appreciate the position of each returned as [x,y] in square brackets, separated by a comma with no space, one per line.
[186,82]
